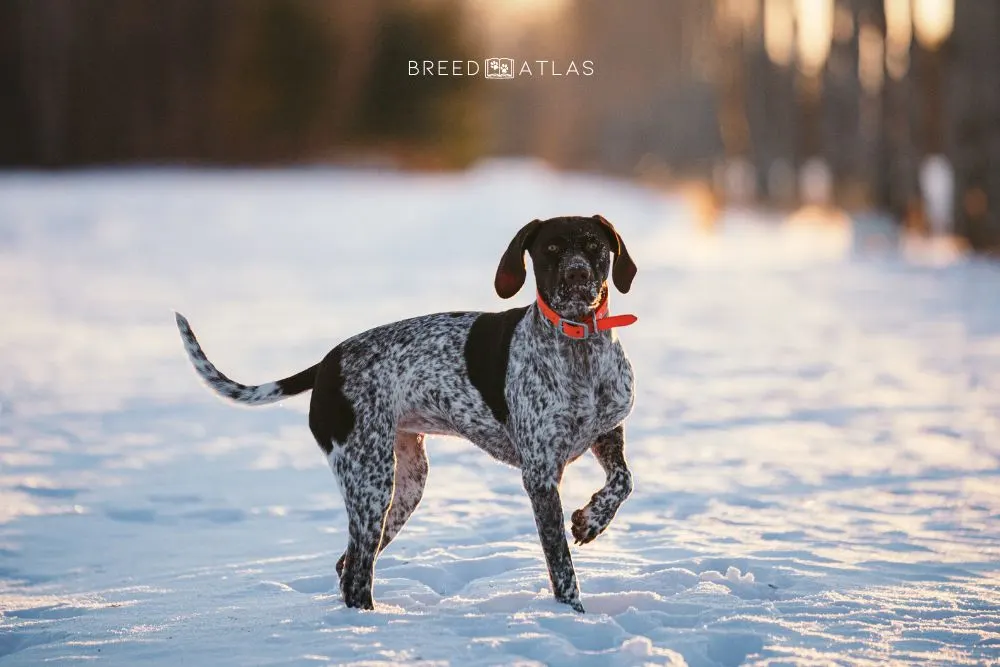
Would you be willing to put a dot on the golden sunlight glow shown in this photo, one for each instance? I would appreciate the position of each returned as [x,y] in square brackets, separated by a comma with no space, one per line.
[510,18]
[871,51]
[737,14]
[898,31]
[843,24]
[933,21]
[815,23]
[779,31]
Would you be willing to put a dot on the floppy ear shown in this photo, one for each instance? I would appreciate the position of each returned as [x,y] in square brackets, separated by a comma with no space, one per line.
[623,270]
[511,272]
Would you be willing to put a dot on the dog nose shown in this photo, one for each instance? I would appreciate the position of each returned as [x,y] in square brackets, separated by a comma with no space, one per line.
[577,275]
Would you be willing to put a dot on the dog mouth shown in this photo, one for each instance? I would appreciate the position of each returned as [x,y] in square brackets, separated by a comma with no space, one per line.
[573,300]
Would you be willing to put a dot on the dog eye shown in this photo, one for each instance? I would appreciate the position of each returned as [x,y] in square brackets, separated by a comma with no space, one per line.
[553,248]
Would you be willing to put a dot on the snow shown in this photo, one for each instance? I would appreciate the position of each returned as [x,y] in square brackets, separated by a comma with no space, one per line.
[815,440]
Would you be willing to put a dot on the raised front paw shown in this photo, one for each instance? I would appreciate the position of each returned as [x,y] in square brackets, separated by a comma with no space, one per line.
[586,526]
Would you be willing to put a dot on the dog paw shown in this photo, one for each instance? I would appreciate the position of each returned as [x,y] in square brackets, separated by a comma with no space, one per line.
[574,604]
[357,595]
[360,601]
[585,528]
[355,587]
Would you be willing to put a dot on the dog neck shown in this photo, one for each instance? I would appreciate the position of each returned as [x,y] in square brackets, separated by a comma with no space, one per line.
[596,321]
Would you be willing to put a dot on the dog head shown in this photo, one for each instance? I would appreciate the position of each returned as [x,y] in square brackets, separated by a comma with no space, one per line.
[571,260]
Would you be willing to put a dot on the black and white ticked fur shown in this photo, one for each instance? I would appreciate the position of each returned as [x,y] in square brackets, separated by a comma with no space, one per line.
[509,382]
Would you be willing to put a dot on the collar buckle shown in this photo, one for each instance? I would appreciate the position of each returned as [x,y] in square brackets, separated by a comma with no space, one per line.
[576,330]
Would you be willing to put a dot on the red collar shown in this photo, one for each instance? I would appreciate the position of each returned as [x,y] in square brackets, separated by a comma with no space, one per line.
[598,321]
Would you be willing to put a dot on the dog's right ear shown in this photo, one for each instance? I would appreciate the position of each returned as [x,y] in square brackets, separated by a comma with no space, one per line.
[512,272]
[623,270]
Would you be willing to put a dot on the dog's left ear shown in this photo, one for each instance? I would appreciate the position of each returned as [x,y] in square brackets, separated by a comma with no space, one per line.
[511,272]
[623,270]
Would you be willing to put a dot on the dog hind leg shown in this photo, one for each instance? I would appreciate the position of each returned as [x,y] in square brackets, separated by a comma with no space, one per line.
[364,470]
[410,478]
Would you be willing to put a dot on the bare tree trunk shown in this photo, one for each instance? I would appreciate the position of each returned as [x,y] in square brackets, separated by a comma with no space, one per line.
[46,33]
[358,27]
[841,100]
[772,120]
[974,116]
[898,156]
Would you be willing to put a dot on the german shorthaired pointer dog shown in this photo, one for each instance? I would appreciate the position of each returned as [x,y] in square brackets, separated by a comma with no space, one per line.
[535,387]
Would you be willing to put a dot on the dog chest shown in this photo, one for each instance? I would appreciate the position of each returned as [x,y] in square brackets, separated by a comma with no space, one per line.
[572,391]
[597,409]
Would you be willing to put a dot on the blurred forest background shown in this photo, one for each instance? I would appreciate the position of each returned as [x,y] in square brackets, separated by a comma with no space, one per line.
[890,105]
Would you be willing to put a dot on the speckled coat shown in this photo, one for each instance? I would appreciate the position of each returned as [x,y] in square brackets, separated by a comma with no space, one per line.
[509,382]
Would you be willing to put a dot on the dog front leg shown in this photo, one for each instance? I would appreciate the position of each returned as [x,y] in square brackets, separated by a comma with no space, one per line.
[542,486]
[590,521]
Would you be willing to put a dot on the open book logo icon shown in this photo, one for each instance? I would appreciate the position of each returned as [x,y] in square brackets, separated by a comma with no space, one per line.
[499,68]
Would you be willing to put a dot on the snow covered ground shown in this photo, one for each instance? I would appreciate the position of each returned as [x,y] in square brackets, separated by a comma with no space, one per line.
[815,441]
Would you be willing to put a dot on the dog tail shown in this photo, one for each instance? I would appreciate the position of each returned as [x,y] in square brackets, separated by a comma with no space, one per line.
[270,392]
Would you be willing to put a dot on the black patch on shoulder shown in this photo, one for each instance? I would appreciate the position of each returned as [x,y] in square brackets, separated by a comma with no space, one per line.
[487,352]
[331,415]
